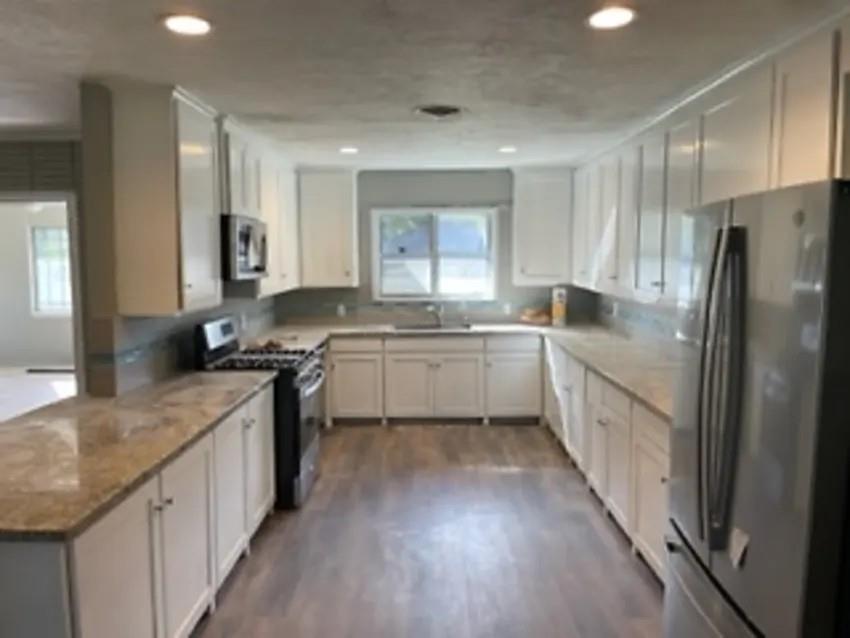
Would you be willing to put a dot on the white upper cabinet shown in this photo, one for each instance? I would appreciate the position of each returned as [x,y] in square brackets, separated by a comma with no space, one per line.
[804,114]
[650,245]
[594,225]
[581,251]
[166,230]
[736,137]
[242,176]
[682,143]
[628,217]
[289,240]
[843,141]
[328,228]
[541,225]
[609,207]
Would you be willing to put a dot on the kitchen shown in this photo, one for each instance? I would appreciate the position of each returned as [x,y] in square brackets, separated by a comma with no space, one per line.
[472,377]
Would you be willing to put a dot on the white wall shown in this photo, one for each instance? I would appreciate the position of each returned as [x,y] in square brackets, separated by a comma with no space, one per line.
[27,340]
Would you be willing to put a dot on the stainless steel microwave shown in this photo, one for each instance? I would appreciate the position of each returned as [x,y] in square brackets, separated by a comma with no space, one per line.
[245,252]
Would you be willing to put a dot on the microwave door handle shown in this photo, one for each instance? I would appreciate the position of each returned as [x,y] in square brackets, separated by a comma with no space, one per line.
[729,416]
[704,373]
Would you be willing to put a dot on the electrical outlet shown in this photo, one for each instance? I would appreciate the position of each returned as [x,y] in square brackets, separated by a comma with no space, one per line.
[243,322]
[506,308]
[340,310]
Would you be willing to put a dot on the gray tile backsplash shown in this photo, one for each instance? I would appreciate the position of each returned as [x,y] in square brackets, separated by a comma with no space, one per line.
[630,317]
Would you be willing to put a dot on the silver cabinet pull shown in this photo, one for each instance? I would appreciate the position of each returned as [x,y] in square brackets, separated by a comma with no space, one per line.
[169,501]
[664,480]
[657,284]
[602,422]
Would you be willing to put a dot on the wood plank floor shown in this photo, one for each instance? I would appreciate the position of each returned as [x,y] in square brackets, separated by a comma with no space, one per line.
[441,531]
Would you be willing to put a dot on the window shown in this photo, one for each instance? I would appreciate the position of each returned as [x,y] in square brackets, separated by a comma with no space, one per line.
[422,254]
[51,271]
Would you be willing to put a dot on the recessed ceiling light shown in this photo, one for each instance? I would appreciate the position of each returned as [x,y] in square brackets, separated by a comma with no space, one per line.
[349,150]
[508,149]
[187,24]
[611,17]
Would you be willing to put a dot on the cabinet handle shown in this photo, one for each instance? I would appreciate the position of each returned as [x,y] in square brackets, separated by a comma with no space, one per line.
[612,277]
[169,501]
[602,422]
[348,273]
[187,286]
[157,507]
[664,480]
[522,270]
[657,284]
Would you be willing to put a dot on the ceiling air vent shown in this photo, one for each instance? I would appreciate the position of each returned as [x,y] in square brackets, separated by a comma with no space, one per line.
[439,111]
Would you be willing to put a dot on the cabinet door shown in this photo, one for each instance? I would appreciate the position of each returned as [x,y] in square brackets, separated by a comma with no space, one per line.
[459,385]
[651,211]
[235,149]
[651,470]
[112,570]
[357,385]
[682,142]
[804,112]
[408,385]
[513,384]
[736,138]
[594,225]
[229,473]
[271,215]
[541,223]
[843,141]
[580,217]
[597,467]
[609,205]
[259,458]
[619,468]
[200,229]
[290,244]
[186,548]
[550,402]
[327,215]
[630,168]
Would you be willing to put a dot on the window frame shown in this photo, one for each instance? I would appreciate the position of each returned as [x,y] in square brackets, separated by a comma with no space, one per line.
[35,311]
[490,213]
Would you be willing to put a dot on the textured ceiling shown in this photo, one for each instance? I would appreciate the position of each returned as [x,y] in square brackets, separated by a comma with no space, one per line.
[318,74]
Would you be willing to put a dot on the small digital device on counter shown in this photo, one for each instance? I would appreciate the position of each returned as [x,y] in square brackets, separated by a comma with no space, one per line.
[298,397]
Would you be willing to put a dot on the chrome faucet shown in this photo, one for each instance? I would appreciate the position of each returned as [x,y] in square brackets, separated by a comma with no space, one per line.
[437,312]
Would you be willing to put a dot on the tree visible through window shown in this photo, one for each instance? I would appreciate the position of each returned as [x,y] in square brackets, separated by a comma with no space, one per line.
[51,270]
[434,254]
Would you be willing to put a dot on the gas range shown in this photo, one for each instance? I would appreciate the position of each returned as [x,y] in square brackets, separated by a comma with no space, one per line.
[299,399]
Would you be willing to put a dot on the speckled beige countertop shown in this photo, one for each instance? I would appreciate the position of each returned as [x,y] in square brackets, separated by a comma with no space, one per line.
[642,367]
[64,465]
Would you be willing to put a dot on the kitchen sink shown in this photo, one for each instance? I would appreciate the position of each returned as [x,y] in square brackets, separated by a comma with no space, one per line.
[431,327]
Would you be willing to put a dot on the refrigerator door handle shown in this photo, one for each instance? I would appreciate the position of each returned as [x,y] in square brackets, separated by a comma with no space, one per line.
[704,390]
[726,423]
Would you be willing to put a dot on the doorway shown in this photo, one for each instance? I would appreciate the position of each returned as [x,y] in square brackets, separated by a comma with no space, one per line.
[39,308]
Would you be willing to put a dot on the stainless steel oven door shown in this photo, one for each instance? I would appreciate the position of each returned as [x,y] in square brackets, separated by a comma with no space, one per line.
[311,408]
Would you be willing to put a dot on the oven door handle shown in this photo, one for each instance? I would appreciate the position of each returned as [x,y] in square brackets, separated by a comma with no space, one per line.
[313,388]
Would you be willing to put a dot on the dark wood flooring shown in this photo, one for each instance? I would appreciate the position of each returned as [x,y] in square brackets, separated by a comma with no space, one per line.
[441,531]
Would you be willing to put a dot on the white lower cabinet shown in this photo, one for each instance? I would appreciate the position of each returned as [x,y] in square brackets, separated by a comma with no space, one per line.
[259,459]
[435,385]
[357,385]
[409,385]
[513,384]
[151,566]
[651,461]
[186,508]
[458,385]
[229,472]
[596,466]
[112,576]
[619,467]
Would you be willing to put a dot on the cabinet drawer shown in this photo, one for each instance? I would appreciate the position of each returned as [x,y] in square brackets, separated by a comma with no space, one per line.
[651,427]
[616,400]
[350,344]
[513,343]
[435,344]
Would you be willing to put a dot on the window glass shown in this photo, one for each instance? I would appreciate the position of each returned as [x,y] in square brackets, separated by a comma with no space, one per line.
[51,271]
[405,235]
[406,277]
[460,233]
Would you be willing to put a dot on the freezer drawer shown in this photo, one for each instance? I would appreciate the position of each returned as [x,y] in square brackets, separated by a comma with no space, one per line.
[693,606]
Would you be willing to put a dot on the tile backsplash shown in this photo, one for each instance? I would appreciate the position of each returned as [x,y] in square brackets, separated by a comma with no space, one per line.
[635,318]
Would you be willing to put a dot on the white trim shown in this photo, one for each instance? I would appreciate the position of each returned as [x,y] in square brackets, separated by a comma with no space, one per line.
[492,213]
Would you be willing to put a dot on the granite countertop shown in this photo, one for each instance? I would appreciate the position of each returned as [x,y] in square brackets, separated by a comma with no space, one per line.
[642,367]
[66,464]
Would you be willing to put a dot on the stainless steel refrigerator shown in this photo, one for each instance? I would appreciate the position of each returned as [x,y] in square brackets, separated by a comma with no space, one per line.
[761,431]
